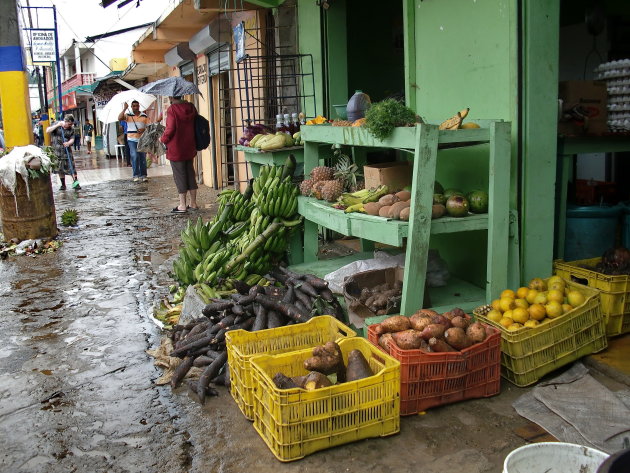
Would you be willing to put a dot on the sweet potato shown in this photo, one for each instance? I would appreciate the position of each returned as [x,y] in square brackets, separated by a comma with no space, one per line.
[439,346]
[476,332]
[388,199]
[403,195]
[460,322]
[384,210]
[419,321]
[358,366]
[457,338]
[408,339]
[372,208]
[396,323]
[394,210]
[327,359]
[433,331]
[404,214]
[428,312]
[385,340]
[440,319]
[316,380]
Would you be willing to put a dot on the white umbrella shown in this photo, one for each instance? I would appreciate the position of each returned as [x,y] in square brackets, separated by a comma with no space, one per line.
[110,112]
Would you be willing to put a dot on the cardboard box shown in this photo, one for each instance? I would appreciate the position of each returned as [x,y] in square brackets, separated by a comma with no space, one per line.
[584,107]
[393,175]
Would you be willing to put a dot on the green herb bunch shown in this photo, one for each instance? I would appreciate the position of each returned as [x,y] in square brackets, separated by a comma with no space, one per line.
[382,117]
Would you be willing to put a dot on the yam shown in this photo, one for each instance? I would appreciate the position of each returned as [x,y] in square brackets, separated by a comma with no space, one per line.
[454,313]
[476,332]
[394,210]
[316,380]
[358,366]
[438,211]
[403,195]
[428,312]
[396,323]
[439,346]
[440,319]
[404,214]
[327,359]
[420,321]
[460,322]
[388,199]
[385,340]
[284,382]
[408,339]
[457,338]
[384,210]
[372,208]
[433,331]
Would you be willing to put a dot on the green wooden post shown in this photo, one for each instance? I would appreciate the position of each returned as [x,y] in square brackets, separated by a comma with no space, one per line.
[561,228]
[409,19]
[424,164]
[337,60]
[498,209]
[311,230]
[539,135]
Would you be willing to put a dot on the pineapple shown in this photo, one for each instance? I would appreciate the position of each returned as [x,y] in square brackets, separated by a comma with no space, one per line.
[346,171]
[306,187]
[332,190]
[69,217]
[322,173]
[316,190]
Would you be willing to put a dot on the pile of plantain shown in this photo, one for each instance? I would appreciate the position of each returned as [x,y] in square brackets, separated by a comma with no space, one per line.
[249,234]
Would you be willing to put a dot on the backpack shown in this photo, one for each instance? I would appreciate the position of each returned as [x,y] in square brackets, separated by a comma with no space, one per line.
[202,133]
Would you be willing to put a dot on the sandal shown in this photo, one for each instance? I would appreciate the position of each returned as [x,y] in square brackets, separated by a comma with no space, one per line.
[177,211]
[188,207]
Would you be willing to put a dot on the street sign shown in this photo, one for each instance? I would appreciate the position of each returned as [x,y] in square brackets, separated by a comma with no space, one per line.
[43,43]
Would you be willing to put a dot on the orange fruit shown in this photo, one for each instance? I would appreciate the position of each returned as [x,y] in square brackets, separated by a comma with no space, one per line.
[506,303]
[520,315]
[531,323]
[537,284]
[506,322]
[521,293]
[495,304]
[537,311]
[567,308]
[555,295]
[531,295]
[508,293]
[508,314]
[521,303]
[576,298]
[541,298]
[494,315]
[553,309]
[514,327]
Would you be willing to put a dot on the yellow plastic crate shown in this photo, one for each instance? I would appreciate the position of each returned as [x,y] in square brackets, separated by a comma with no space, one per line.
[615,291]
[295,423]
[529,354]
[242,345]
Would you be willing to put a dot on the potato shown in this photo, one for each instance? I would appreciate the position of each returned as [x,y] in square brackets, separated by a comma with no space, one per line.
[394,210]
[404,214]
[460,322]
[388,199]
[403,195]
[408,339]
[437,211]
[476,332]
[384,210]
[396,323]
[457,338]
[419,321]
[433,331]
[372,208]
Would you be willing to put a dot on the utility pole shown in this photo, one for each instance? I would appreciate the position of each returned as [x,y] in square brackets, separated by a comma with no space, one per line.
[42,102]
[16,108]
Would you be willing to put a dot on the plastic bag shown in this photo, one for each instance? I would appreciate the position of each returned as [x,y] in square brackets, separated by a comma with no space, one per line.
[149,141]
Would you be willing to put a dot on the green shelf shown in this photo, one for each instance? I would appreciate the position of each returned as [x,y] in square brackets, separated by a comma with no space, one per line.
[380,229]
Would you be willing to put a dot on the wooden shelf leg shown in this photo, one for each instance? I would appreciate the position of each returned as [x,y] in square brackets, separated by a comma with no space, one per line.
[311,241]
[424,164]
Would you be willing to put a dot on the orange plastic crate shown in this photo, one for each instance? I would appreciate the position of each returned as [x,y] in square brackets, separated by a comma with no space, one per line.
[434,379]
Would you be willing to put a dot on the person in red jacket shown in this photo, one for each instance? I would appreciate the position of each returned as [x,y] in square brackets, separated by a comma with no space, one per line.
[179,138]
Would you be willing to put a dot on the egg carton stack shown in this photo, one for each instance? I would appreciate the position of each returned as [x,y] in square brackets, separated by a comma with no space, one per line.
[617,77]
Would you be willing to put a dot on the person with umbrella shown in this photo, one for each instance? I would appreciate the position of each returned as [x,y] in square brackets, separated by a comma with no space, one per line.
[62,139]
[179,138]
[136,124]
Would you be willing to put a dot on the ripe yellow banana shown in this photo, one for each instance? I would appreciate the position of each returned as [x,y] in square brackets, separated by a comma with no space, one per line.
[455,121]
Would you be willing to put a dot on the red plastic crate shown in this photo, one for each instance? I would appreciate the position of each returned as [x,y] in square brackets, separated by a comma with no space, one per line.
[434,379]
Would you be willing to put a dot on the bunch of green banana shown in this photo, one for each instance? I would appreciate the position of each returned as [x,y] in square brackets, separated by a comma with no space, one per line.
[363,196]
[297,138]
[279,200]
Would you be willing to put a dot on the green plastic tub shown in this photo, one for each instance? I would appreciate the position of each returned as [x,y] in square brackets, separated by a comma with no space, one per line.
[590,231]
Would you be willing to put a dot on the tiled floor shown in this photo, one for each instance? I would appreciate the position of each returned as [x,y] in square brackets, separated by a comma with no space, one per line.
[94,167]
